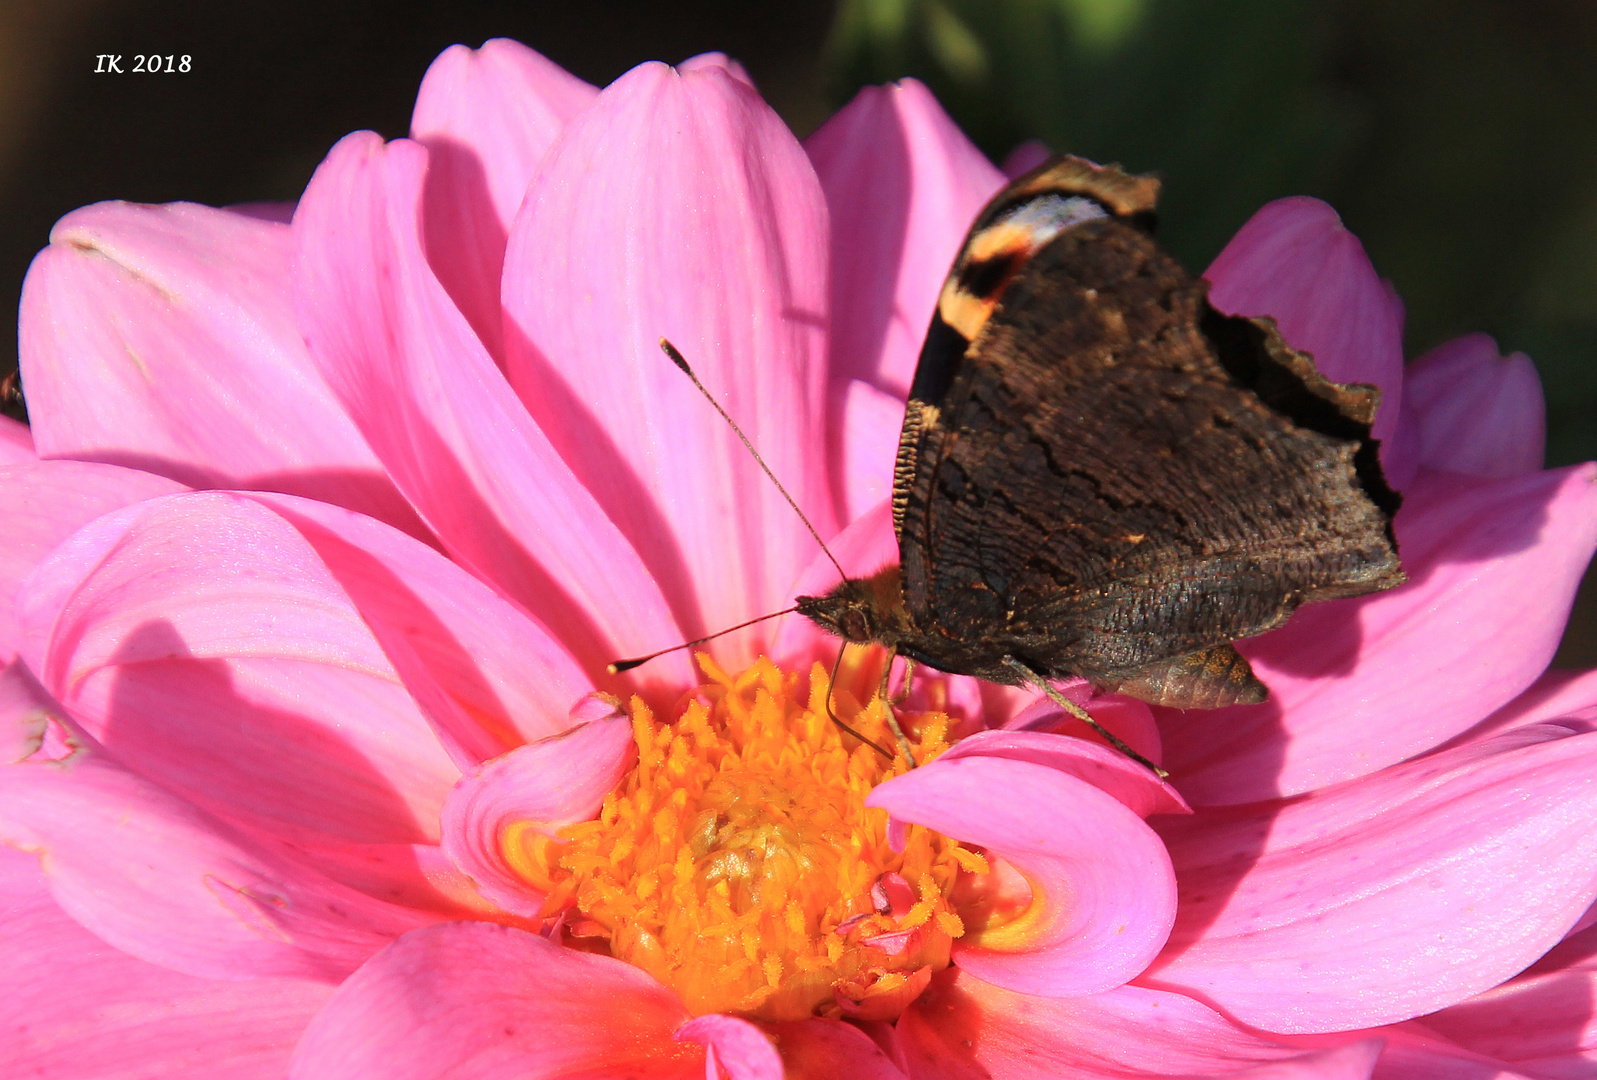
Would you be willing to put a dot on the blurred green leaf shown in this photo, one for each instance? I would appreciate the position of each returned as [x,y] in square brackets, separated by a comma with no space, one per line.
[1223,100]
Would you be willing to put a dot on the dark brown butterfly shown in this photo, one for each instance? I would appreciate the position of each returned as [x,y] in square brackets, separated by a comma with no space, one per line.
[1099,475]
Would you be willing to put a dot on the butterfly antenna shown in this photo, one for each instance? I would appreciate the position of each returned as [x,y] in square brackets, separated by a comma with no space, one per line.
[637,661]
[677,359]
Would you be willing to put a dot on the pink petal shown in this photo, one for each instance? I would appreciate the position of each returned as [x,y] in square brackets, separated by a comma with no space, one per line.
[830,1049]
[736,1049]
[864,547]
[1025,157]
[872,420]
[31,718]
[903,184]
[1295,262]
[962,1027]
[161,338]
[1413,1052]
[205,643]
[16,442]
[422,388]
[161,879]
[417,876]
[1129,721]
[544,785]
[1477,412]
[680,206]
[486,117]
[1103,897]
[1353,1061]
[1388,897]
[1109,771]
[1557,695]
[473,1001]
[488,677]
[1543,1020]
[44,502]
[82,1010]
[280,212]
[1358,684]
[718,60]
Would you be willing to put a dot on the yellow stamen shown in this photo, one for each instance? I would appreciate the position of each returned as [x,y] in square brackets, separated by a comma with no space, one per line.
[738,864]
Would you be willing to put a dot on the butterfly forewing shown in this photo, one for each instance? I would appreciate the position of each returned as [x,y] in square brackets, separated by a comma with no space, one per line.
[1087,479]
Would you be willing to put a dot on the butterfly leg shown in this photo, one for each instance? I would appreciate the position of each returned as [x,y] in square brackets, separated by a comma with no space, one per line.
[881,692]
[905,686]
[1041,682]
[844,727]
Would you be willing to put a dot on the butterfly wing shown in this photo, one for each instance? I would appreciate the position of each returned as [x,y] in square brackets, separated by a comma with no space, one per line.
[1100,475]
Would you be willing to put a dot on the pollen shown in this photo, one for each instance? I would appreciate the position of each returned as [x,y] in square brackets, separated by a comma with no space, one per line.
[738,864]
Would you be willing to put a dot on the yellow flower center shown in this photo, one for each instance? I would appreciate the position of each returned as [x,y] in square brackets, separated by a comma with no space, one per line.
[738,864]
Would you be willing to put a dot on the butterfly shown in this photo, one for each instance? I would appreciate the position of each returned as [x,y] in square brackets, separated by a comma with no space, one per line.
[1100,475]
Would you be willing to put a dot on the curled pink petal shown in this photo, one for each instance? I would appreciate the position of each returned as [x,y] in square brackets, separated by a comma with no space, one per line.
[1295,262]
[486,116]
[473,1001]
[437,411]
[737,1050]
[1131,722]
[1482,853]
[171,884]
[903,183]
[94,1011]
[1110,771]
[44,502]
[486,674]
[16,443]
[541,786]
[1477,411]
[1358,684]
[680,206]
[161,338]
[962,1027]
[1103,896]
[238,675]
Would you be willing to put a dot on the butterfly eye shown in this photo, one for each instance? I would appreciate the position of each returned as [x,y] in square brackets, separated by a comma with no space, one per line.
[853,626]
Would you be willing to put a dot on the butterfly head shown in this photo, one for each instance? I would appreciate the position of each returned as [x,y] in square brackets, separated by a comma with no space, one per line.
[861,610]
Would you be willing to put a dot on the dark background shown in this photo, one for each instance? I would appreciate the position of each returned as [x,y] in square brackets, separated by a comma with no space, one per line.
[1458,138]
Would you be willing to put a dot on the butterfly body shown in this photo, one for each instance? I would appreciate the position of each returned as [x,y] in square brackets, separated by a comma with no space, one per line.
[1101,476]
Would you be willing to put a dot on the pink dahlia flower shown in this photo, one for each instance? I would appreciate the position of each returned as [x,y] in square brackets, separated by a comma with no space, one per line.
[326,529]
